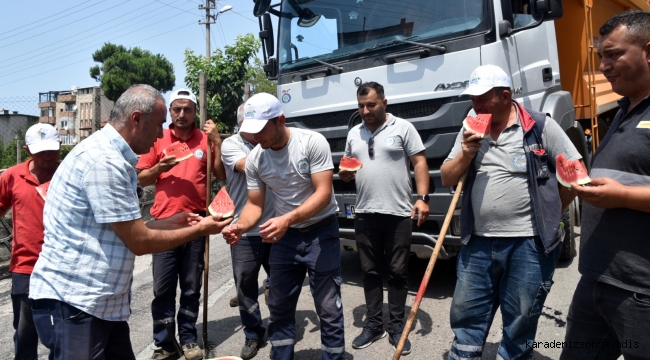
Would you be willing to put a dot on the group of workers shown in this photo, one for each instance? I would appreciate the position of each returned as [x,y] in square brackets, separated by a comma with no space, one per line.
[74,249]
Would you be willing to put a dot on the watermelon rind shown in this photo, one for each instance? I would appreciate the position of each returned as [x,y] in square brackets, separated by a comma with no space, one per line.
[220,203]
[575,168]
[467,127]
[178,158]
[342,166]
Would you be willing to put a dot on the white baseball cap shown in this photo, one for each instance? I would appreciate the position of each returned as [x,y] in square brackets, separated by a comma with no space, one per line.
[42,137]
[258,110]
[486,77]
[181,94]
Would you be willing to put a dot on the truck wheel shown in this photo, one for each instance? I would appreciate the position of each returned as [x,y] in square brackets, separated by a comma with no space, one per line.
[569,243]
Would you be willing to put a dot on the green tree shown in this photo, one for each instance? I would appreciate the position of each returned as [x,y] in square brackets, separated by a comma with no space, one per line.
[65,150]
[226,73]
[121,67]
[9,155]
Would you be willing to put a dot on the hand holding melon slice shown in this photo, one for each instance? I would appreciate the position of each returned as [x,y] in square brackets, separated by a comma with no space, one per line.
[180,150]
[480,124]
[570,171]
[350,164]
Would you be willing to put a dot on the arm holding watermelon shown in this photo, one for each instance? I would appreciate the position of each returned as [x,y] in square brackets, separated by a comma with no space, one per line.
[452,170]
[608,193]
[160,235]
[249,217]
[147,177]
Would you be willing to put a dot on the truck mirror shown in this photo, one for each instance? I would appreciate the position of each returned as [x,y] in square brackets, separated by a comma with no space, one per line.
[271,69]
[261,7]
[505,28]
[267,34]
[546,9]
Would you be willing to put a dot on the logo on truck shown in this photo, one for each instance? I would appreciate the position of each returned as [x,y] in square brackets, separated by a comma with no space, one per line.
[454,85]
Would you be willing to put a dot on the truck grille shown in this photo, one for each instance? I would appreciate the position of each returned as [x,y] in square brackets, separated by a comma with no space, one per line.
[340,118]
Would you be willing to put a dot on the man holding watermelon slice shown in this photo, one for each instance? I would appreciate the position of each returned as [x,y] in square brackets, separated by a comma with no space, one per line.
[510,218]
[295,165]
[611,304]
[18,190]
[180,186]
[387,146]
[251,253]
[81,283]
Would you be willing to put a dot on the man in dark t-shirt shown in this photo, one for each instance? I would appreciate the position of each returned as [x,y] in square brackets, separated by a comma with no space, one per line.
[610,311]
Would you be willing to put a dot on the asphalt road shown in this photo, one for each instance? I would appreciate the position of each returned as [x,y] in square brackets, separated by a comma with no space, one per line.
[431,337]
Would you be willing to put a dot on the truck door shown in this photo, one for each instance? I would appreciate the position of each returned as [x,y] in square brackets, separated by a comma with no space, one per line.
[536,54]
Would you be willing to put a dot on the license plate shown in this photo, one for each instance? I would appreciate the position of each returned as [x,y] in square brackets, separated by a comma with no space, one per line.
[349,211]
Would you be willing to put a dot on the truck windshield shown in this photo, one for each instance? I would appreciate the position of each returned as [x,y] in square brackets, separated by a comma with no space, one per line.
[334,30]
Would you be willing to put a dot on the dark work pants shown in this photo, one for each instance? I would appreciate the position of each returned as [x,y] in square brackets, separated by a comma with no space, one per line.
[25,337]
[317,252]
[70,333]
[384,243]
[605,322]
[248,256]
[182,265]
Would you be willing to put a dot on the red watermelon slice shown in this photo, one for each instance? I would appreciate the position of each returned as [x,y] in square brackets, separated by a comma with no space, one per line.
[570,171]
[42,189]
[350,164]
[180,150]
[479,124]
[222,205]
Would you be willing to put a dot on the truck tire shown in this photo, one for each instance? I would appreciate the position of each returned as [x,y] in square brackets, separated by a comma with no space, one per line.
[569,242]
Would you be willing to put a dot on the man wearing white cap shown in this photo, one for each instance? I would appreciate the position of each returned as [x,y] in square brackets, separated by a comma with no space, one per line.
[296,166]
[510,219]
[180,186]
[18,191]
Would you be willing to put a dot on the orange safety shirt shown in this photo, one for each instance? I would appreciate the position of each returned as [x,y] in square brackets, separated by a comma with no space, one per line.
[18,191]
[183,187]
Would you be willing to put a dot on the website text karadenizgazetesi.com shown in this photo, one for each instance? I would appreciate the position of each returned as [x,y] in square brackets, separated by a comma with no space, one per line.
[582,344]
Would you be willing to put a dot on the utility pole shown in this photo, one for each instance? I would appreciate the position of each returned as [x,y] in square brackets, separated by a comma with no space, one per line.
[209,5]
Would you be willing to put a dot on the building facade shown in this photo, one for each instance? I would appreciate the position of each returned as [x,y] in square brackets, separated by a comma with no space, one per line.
[76,113]
[13,124]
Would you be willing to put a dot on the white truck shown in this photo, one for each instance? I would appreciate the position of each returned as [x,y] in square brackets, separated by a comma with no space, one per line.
[422,52]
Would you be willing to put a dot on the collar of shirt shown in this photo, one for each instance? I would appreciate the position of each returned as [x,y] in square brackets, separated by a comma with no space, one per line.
[248,145]
[27,175]
[120,144]
[390,121]
[625,102]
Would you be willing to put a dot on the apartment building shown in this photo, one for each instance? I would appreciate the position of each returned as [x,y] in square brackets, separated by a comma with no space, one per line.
[76,113]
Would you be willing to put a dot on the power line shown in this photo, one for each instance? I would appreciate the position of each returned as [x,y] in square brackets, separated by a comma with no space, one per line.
[247,18]
[64,66]
[73,42]
[71,23]
[47,17]
[82,50]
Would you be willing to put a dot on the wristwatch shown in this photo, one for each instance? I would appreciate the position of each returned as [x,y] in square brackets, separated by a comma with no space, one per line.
[424,198]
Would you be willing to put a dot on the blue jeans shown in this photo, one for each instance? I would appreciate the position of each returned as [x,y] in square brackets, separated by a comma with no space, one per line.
[25,337]
[183,265]
[605,322]
[318,253]
[248,256]
[511,273]
[70,333]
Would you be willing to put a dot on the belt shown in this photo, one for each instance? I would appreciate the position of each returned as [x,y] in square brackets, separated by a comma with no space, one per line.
[317,225]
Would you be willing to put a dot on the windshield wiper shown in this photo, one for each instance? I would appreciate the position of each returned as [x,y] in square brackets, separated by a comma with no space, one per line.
[440,48]
[330,68]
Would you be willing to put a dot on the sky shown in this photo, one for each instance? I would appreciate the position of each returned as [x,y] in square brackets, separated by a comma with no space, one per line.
[48,46]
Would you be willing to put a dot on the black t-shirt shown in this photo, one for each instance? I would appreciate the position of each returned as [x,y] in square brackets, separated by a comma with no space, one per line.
[615,243]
